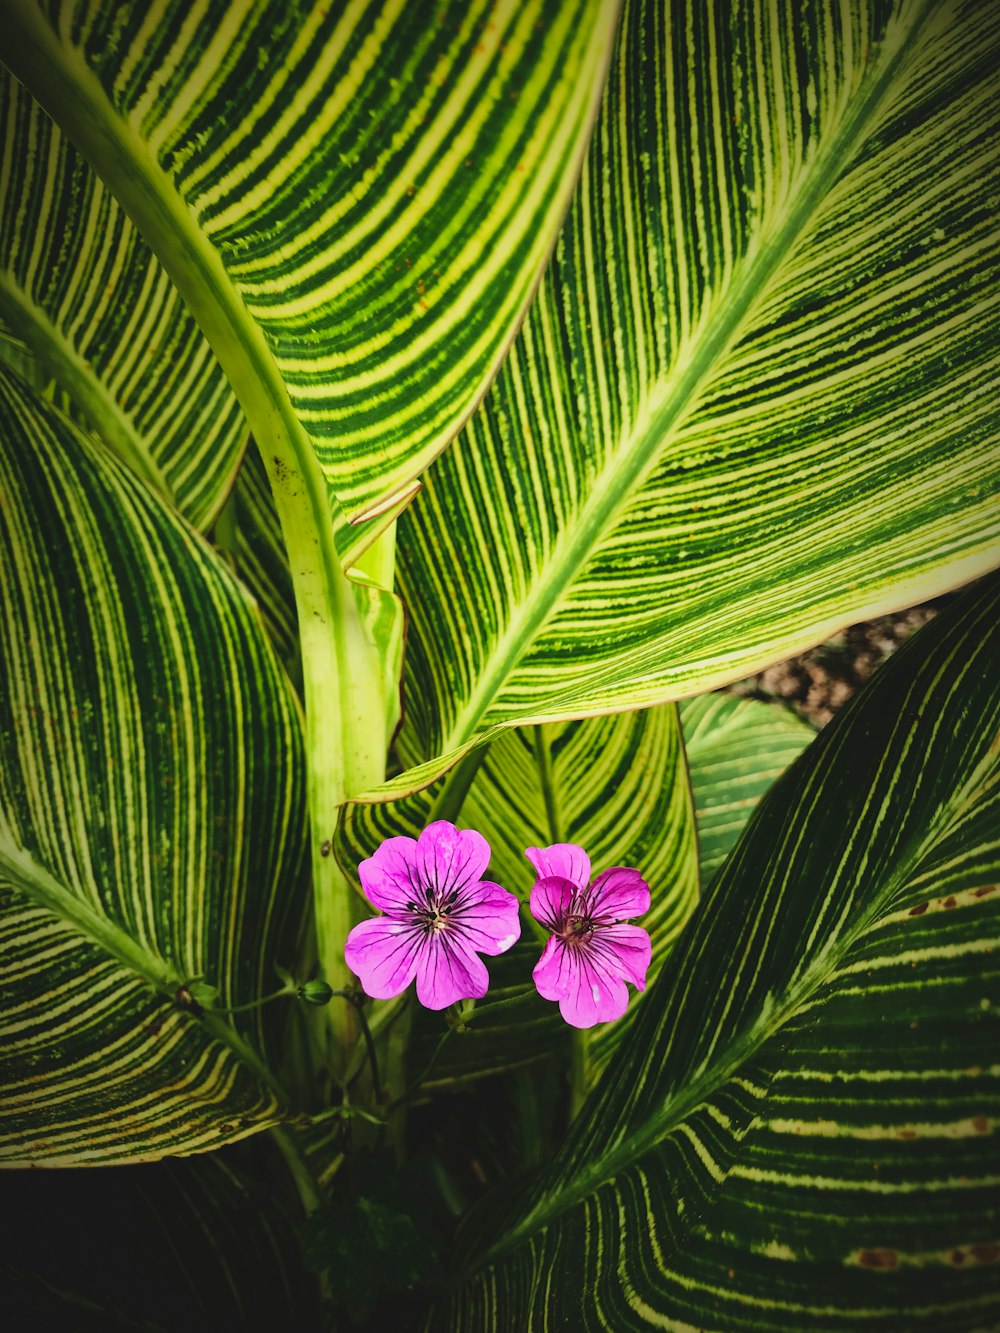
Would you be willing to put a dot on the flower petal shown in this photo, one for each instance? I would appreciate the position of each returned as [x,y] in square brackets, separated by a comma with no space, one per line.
[617,894]
[485,918]
[586,993]
[448,857]
[563,860]
[553,973]
[447,971]
[622,951]
[550,900]
[382,953]
[389,877]
[597,998]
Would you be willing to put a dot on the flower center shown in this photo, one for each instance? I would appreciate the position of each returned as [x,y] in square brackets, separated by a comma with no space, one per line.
[436,919]
[577,929]
[434,912]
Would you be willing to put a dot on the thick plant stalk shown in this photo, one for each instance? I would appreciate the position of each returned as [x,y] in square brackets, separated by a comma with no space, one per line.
[344,724]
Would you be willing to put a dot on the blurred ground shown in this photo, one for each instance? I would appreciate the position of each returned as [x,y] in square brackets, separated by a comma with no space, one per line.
[819,682]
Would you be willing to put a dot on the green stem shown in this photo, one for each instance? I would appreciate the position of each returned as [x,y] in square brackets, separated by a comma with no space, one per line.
[378,561]
[488,1009]
[577,1073]
[256,1004]
[345,726]
[306,1183]
[418,1083]
[357,1002]
[40,886]
[385,1015]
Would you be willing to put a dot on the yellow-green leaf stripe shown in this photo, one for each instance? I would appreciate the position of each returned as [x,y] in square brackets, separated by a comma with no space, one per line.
[755,397]
[81,288]
[803,1130]
[355,199]
[152,816]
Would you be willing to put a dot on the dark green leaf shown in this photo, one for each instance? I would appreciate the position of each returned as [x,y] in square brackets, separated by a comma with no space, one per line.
[152,816]
[802,1131]
[202,1244]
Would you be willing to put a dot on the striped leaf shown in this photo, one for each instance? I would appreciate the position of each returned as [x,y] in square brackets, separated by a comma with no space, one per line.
[753,401]
[355,199]
[802,1131]
[202,1244]
[99,313]
[152,822]
[736,749]
[247,535]
[616,786]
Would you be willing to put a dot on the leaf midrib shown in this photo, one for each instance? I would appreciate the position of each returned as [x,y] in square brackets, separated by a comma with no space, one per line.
[715,1075]
[981,778]
[64,363]
[667,404]
[31,878]
[72,94]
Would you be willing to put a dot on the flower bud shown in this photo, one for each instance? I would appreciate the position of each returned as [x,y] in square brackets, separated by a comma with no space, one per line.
[315,992]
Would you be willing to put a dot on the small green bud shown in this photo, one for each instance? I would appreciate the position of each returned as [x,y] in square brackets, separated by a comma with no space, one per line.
[315,992]
[203,994]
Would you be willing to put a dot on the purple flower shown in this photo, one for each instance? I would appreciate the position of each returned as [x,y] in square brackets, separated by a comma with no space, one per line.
[439,914]
[591,954]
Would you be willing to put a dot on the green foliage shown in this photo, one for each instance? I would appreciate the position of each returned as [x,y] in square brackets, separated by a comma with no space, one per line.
[345,198]
[378,1238]
[801,1130]
[448,392]
[734,419]
[97,311]
[736,749]
[615,785]
[204,1243]
[152,815]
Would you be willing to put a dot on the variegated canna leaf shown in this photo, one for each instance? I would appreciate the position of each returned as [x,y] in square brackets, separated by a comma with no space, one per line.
[736,750]
[355,199]
[754,398]
[100,315]
[247,534]
[802,1131]
[152,817]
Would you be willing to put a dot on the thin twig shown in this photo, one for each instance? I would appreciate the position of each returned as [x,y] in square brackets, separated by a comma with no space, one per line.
[357,1001]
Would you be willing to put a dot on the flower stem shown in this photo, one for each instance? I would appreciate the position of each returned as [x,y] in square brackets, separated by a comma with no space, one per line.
[255,1004]
[357,1002]
[577,1073]
[299,1169]
[366,1032]
[497,1004]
